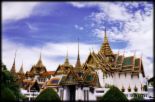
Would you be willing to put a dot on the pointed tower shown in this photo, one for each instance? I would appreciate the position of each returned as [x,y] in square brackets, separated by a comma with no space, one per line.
[66,60]
[105,48]
[78,63]
[21,69]
[13,69]
[39,63]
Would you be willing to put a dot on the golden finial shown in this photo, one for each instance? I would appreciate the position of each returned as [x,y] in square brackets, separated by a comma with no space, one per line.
[40,56]
[21,69]
[118,52]
[124,52]
[89,50]
[66,59]
[134,53]
[78,63]
[105,37]
[13,69]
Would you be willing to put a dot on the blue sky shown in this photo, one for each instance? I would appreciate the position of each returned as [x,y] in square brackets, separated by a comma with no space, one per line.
[35,27]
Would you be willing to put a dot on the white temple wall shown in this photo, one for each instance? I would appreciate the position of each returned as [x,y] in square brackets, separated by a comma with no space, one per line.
[92,96]
[100,76]
[79,94]
[66,94]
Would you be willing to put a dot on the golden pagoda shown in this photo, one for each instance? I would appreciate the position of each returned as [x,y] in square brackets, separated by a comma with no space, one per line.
[105,48]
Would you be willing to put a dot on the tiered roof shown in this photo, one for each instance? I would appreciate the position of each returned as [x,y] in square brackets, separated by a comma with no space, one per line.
[110,62]
[64,68]
[105,48]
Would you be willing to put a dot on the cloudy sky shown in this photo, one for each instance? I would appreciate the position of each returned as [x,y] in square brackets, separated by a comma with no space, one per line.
[52,28]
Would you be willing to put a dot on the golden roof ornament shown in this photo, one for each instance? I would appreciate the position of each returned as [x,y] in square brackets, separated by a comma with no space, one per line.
[13,69]
[39,63]
[78,63]
[66,60]
[21,69]
[105,48]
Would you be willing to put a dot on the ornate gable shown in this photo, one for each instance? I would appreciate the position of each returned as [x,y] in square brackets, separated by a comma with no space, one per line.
[91,62]
[71,78]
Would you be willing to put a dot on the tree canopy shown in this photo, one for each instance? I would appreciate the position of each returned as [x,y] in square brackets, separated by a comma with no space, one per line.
[7,94]
[48,95]
[114,94]
[9,86]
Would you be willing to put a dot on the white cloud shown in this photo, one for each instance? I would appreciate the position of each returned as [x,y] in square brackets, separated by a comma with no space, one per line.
[78,27]
[137,31]
[50,54]
[17,10]
[83,4]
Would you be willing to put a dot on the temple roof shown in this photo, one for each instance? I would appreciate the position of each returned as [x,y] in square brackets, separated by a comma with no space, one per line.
[66,60]
[21,69]
[39,63]
[39,68]
[53,82]
[48,73]
[120,63]
[13,68]
[105,48]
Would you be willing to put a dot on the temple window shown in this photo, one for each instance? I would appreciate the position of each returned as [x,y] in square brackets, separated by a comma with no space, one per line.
[129,89]
[135,89]
[123,89]
[125,74]
[145,87]
[131,76]
[119,75]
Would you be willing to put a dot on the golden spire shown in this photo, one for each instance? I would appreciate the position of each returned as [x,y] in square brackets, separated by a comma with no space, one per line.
[105,48]
[13,69]
[66,59]
[39,63]
[105,37]
[78,63]
[21,69]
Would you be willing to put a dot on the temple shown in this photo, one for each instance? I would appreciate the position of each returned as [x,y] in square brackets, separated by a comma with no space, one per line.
[90,80]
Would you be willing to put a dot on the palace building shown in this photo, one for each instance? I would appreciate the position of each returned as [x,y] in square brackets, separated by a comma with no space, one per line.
[91,80]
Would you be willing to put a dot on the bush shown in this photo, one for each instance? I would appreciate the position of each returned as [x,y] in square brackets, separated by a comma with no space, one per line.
[48,95]
[137,97]
[7,94]
[114,94]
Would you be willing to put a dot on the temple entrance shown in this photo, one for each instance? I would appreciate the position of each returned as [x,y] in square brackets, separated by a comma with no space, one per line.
[72,92]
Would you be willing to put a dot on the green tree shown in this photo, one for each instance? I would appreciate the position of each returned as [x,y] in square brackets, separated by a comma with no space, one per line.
[114,94]
[8,82]
[48,95]
[7,94]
